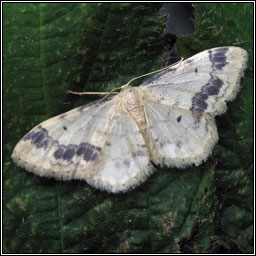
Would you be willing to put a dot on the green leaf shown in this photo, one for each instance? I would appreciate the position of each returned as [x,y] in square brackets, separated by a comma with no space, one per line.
[50,48]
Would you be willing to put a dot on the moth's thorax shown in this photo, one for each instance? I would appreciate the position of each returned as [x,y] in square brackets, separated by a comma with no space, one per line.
[132,100]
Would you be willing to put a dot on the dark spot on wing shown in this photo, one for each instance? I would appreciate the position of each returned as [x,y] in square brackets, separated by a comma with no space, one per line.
[196,70]
[69,152]
[162,143]
[88,151]
[178,143]
[127,163]
[178,119]
[59,152]
[212,88]
[64,128]
[140,153]
[108,143]
[218,58]
[198,102]
[39,138]
[45,143]
[28,136]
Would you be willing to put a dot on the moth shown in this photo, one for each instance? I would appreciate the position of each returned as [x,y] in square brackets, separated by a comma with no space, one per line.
[168,120]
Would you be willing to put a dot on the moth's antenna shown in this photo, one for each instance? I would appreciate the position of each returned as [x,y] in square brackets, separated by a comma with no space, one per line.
[121,87]
[156,71]
[92,93]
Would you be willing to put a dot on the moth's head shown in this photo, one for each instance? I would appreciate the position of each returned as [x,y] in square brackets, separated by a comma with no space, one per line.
[127,89]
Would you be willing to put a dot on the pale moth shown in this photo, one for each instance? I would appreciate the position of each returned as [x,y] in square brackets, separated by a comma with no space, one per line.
[168,120]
